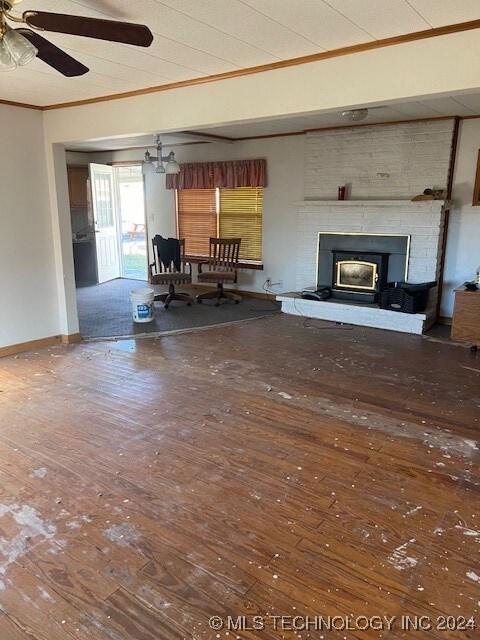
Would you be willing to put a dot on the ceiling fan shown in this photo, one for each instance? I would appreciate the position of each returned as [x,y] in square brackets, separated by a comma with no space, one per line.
[19,46]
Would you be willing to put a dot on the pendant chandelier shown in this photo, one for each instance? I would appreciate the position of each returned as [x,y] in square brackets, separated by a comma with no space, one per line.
[164,164]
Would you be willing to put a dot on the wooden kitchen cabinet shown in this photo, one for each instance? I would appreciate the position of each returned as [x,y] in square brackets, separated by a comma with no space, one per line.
[78,186]
[466,316]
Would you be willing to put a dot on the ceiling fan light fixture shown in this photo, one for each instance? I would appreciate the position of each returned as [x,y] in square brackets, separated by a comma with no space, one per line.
[355,115]
[21,45]
[21,50]
[7,63]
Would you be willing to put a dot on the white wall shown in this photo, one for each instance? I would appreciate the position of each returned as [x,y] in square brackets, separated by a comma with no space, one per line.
[74,157]
[28,292]
[285,169]
[463,244]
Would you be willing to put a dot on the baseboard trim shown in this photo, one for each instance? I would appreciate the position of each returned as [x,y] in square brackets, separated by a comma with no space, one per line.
[21,347]
[71,338]
[241,292]
[28,346]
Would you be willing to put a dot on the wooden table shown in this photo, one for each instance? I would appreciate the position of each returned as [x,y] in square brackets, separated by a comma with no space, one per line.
[466,316]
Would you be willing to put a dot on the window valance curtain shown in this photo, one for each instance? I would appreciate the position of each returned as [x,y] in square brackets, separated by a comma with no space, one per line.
[226,175]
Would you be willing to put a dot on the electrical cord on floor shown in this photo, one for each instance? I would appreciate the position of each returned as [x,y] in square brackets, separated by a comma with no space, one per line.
[276,305]
[309,322]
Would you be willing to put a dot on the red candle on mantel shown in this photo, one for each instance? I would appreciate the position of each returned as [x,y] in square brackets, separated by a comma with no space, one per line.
[341,193]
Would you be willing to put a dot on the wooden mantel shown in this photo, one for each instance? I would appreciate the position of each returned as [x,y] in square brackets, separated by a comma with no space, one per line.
[419,204]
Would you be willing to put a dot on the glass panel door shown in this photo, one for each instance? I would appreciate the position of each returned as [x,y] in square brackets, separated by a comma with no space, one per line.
[106,240]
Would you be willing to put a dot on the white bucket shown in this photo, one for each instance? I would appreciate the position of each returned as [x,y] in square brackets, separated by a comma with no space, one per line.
[142,304]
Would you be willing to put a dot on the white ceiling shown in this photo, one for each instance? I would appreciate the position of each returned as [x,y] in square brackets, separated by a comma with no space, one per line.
[463,105]
[195,38]
[141,141]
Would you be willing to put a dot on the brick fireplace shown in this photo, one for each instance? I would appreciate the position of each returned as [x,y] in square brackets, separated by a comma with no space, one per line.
[421,222]
[383,167]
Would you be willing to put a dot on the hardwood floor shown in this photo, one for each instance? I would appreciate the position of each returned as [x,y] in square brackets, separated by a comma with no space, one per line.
[274,468]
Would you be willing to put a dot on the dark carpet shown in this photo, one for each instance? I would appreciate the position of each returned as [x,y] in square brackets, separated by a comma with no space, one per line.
[104,311]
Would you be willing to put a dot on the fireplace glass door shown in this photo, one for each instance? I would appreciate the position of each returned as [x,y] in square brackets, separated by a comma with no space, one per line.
[356,274]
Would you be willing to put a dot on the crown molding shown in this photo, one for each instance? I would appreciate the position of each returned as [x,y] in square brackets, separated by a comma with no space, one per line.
[22,105]
[324,55]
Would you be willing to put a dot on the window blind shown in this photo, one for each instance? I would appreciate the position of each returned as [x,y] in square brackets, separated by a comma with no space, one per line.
[241,217]
[197,219]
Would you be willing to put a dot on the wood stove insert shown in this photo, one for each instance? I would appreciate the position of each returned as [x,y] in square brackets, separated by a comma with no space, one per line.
[358,275]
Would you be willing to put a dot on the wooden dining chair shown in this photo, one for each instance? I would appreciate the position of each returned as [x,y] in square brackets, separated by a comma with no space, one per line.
[169,267]
[221,268]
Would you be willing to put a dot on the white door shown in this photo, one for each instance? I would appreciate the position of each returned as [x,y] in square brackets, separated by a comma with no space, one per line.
[104,215]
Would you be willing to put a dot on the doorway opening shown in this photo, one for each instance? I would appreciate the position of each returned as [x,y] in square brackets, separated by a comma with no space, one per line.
[109,235]
[118,222]
[132,227]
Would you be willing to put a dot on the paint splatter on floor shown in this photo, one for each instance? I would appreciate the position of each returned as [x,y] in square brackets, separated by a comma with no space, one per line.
[399,557]
[122,534]
[31,531]
[473,576]
[39,473]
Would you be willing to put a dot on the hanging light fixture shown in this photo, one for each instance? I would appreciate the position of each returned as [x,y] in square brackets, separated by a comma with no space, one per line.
[148,165]
[15,49]
[21,50]
[7,63]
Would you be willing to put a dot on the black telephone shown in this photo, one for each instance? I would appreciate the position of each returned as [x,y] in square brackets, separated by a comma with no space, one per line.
[322,293]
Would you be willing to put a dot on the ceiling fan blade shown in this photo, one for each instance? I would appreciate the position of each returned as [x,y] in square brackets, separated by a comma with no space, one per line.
[53,56]
[113,30]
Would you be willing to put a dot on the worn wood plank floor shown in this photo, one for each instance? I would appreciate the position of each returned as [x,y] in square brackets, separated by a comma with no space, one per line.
[265,469]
